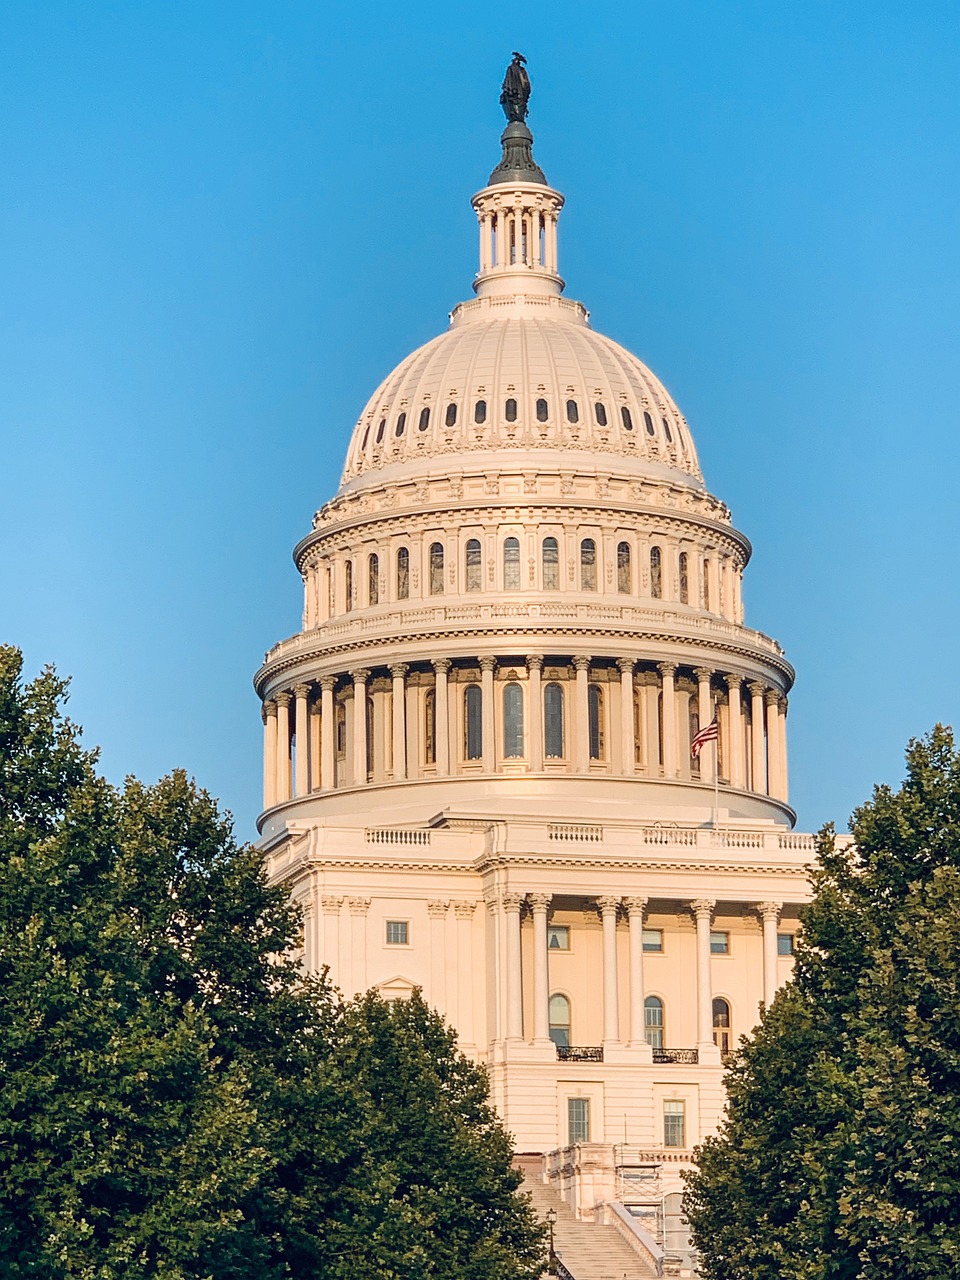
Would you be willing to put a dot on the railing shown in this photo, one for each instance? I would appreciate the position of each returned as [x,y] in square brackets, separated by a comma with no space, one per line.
[391,835]
[579,1053]
[560,1270]
[687,1056]
[569,831]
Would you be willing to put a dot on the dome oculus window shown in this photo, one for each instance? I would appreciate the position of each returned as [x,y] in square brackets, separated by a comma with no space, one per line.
[511,564]
[626,417]
[600,412]
[573,412]
[648,423]
[451,416]
[480,412]
[474,579]
[588,565]
[401,425]
[542,410]
[424,419]
[551,564]
[510,411]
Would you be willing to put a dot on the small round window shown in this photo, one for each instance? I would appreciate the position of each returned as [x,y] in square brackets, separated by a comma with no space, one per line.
[542,410]
[627,418]
[451,418]
[600,410]
[401,425]
[424,419]
[510,411]
[480,411]
[573,413]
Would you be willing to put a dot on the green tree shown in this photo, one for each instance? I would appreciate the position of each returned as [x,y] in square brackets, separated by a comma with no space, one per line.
[837,1159]
[176,1098]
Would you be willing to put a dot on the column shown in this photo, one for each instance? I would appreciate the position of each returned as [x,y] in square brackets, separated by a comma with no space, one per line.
[540,904]
[703,913]
[269,714]
[437,911]
[735,759]
[782,739]
[772,698]
[770,918]
[313,728]
[611,994]
[398,671]
[713,583]
[511,909]
[726,588]
[705,711]
[360,679]
[487,668]
[441,667]
[581,665]
[464,912]
[283,747]
[358,945]
[331,937]
[650,692]
[301,728]
[668,671]
[328,733]
[758,751]
[636,907]
[627,748]
[535,712]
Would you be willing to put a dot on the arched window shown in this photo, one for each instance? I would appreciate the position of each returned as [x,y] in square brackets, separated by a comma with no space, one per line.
[553,721]
[341,718]
[624,576]
[348,585]
[511,564]
[684,578]
[373,579]
[369,735]
[436,568]
[430,727]
[480,411]
[573,411]
[706,585]
[512,721]
[653,1021]
[666,430]
[648,423]
[627,418]
[473,722]
[551,564]
[401,426]
[451,418]
[722,1034]
[559,1014]
[656,573]
[542,410]
[474,576]
[403,573]
[510,410]
[381,429]
[588,565]
[600,412]
[424,419]
[595,717]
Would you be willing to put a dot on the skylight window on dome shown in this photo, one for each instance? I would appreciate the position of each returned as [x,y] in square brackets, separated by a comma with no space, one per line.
[627,418]
[510,411]
[480,412]
[573,412]
[666,430]
[424,418]
[451,418]
[401,425]
[542,410]
[381,429]
[648,423]
[366,437]
[600,410]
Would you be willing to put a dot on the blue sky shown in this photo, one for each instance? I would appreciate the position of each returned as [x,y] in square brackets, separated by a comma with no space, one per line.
[222,224]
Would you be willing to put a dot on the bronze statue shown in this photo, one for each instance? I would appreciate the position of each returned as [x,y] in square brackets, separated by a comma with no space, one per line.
[515,93]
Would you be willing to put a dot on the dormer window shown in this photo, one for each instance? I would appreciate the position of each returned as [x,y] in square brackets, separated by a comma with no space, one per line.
[510,411]
[648,423]
[424,419]
[573,412]
[600,412]
[451,418]
[627,418]
[542,411]
[401,425]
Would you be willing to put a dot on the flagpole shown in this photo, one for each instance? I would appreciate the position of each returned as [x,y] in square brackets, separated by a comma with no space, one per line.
[716,782]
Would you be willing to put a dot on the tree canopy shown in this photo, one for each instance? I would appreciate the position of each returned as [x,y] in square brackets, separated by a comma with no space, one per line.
[177,1098]
[838,1158]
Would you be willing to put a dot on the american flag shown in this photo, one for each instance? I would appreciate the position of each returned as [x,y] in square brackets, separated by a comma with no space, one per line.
[710,733]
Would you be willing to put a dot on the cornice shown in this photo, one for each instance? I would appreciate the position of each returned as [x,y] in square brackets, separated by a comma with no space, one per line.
[502,861]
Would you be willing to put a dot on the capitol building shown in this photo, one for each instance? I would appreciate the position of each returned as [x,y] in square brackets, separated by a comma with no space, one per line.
[521,608]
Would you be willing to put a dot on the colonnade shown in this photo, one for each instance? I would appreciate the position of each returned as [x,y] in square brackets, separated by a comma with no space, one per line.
[620,717]
[611,908]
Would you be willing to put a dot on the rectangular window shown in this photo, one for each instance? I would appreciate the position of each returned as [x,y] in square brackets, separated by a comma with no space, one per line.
[558,937]
[398,933]
[674,1124]
[784,944]
[653,939]
[719,942]
[578,1120]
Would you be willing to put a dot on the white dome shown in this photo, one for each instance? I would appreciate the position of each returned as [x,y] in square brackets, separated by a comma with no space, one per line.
[524,373]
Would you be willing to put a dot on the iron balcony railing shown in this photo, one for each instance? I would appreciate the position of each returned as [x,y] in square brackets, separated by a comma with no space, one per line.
[687,1056]
[579,1053]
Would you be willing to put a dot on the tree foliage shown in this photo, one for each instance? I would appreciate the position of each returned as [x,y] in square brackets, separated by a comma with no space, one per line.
[176,1098]
[838,1158]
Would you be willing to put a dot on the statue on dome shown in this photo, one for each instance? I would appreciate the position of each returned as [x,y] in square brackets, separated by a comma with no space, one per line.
[515,93]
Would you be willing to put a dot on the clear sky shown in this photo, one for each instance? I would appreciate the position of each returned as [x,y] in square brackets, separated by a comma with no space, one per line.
[222,224]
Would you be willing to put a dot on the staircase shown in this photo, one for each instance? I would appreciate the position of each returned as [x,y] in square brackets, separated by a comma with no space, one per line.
[589,1251]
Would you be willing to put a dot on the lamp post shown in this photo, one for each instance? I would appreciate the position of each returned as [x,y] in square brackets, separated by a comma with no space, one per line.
[551,1216]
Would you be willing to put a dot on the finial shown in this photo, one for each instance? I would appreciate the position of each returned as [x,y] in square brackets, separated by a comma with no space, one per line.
[515,91]
[517,163]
